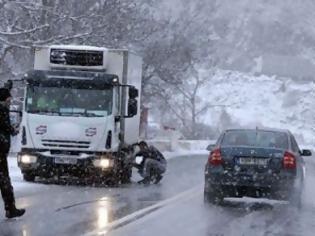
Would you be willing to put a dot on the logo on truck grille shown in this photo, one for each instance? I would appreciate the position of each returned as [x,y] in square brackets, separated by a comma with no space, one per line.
[90,132]
[40,130]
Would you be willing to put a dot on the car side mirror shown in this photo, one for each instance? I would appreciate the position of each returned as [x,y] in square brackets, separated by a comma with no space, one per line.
[210,147]
[306,153]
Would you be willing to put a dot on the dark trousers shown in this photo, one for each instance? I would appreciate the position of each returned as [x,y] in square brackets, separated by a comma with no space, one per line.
[153,166]
[5,183]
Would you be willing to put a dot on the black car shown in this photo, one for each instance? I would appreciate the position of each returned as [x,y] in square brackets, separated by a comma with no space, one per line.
[260,163]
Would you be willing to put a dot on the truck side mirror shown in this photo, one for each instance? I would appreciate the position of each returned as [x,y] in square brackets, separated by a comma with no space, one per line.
[8,84]
[16,109]
[132,107]
[133,92]
[15,116]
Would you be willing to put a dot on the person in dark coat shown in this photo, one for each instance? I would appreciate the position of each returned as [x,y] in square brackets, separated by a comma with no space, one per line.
[153,164]
[6,130]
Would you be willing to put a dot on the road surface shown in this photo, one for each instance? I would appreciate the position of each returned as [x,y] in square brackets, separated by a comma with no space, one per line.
[76,209]
[174,207]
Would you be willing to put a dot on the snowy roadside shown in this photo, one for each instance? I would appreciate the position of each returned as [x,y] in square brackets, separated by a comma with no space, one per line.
[179,153]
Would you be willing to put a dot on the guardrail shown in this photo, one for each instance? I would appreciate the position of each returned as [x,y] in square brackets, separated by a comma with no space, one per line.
[162,145]
[185,145]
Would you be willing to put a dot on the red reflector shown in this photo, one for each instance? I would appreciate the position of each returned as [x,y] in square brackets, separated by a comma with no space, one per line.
[215,157]
[289,161]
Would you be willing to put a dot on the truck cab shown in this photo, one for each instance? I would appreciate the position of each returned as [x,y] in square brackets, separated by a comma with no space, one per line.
[80,110]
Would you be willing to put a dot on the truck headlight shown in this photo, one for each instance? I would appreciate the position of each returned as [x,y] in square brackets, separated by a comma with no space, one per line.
[28,159]
[103,163]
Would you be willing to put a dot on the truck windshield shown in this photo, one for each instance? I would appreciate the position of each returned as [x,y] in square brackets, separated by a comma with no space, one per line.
[65,101]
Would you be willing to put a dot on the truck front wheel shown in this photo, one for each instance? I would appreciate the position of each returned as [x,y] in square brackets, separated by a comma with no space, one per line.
[29,177]
[125,176]
[118,177]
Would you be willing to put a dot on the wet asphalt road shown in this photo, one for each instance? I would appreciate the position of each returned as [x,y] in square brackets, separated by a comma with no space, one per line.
[236,217]
[82,210]
[76,209]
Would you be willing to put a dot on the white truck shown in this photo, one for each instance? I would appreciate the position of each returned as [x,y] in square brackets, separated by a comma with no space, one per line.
[81,109]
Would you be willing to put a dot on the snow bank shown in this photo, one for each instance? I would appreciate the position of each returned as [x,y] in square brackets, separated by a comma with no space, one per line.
[181,145]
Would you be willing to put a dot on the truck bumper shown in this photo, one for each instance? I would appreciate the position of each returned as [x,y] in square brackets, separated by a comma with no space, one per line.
[37,164]
[274,186]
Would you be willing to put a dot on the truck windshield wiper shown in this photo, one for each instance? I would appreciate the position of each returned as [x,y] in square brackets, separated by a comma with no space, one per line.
[73,114]
[43,112]
[93,115]
[85,114]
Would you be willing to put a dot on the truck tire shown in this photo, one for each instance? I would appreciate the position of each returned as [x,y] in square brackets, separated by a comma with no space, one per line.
[29,177]
[125,176]
[120,177]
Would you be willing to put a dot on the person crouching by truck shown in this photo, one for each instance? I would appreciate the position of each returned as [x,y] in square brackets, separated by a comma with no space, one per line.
[153,164]
[6,130]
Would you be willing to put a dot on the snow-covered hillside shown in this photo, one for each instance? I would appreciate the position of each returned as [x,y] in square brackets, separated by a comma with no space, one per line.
[261,101]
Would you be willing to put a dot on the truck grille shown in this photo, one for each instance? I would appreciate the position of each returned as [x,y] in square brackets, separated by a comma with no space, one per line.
[76,57]
[66,144]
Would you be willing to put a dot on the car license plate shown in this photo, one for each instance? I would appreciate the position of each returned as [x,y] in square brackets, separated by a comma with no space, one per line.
[253,161]
[66,160]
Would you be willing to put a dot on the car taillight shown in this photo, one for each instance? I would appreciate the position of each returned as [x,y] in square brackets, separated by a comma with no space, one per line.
[289,161]
[215,157]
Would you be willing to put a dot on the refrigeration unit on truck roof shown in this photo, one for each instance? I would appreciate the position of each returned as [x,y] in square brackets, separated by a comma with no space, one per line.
[71,57]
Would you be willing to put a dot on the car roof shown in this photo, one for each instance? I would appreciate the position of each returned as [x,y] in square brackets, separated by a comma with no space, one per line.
[260,129]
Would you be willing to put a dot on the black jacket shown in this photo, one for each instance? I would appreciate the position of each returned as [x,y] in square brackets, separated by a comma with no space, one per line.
[152,153]
[6,130]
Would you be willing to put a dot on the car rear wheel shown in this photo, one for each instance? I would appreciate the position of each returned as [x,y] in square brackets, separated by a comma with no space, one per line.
[213,197]
[296,198]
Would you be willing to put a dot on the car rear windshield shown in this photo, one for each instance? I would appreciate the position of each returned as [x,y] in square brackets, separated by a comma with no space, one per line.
[256,138]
